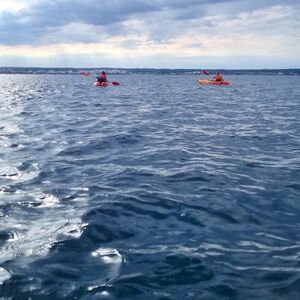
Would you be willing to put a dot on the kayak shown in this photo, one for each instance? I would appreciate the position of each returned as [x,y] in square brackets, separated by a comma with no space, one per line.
[205,81]
[103,84]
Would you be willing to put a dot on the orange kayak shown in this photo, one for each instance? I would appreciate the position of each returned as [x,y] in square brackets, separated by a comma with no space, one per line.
[205,81]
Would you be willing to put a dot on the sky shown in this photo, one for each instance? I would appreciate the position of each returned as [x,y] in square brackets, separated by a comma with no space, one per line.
[233,34]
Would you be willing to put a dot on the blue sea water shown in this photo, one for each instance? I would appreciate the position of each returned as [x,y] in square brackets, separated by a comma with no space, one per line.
[156,189]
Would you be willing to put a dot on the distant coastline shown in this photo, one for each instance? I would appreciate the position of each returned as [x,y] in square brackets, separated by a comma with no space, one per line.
[127,71]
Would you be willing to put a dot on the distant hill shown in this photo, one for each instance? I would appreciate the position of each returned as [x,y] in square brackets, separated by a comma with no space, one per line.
[126,71]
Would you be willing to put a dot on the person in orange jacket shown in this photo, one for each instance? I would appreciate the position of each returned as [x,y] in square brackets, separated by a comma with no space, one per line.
[218,77]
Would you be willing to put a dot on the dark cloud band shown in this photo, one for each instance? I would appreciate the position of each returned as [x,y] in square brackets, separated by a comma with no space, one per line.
[44,18]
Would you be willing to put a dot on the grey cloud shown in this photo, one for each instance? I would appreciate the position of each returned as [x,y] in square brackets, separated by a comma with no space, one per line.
[29,25]
[33,25]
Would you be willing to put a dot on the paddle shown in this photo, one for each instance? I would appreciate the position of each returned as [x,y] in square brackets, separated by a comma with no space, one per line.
[206,72]
[87,74]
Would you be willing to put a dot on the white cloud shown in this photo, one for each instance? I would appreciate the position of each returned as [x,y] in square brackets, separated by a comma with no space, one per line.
[10,5]
[262,19]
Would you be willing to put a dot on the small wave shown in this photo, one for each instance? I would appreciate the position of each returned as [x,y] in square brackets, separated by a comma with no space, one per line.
[110,257]
[14,173]
[262,268]
[8,190]
[10,172]
[47,201]
[4,275]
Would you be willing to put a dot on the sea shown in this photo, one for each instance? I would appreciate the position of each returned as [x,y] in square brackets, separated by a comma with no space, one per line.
[159,188]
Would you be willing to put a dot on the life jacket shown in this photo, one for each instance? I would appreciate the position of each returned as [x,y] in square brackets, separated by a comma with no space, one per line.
[103,76]
[219,77]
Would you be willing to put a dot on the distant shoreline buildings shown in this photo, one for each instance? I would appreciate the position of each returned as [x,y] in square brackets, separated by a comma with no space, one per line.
[127,71]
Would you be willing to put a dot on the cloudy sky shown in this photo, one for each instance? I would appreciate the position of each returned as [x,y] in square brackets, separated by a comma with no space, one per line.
[150,33]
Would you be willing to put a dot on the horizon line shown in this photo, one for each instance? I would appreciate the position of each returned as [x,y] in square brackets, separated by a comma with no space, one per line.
[150,68]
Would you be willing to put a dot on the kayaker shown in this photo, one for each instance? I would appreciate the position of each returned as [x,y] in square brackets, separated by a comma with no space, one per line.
[218,77]
[102,78]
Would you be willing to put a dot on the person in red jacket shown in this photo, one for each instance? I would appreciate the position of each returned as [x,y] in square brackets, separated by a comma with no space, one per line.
[103,77]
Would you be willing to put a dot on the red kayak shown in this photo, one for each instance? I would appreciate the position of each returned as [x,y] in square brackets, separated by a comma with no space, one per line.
[205,81]
[104,84]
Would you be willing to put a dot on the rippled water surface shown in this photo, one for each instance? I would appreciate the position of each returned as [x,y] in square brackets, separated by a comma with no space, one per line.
[156,189]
